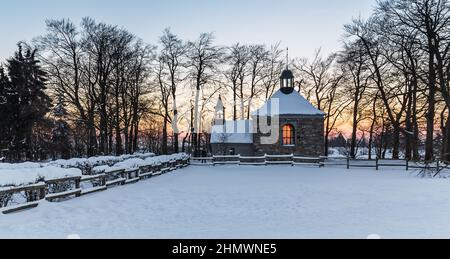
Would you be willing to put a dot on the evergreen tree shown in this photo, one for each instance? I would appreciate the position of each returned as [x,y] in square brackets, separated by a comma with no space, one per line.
[4,110]
[29,103]
[60,133]
[338,141]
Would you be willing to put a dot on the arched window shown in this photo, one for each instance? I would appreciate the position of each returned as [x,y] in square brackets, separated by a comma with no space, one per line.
[288,135]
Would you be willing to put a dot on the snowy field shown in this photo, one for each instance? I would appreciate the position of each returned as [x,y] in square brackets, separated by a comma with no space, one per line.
[249,202]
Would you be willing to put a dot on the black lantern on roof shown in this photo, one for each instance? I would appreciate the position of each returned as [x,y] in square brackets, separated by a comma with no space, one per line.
[287,81]
[287,78]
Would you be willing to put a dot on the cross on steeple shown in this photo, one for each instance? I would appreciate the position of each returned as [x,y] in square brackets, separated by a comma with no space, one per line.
[287,58]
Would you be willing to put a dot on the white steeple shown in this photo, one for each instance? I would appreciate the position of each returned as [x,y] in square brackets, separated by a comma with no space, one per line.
[219,116]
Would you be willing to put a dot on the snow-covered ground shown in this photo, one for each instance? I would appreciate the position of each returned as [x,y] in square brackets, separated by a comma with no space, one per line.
[249,202]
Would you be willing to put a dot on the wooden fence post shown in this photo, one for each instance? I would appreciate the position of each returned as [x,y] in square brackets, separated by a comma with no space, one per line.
[77,186]
[438,165]
[348,162]
[29,195]
[103,180]
[42,192]
[123,174]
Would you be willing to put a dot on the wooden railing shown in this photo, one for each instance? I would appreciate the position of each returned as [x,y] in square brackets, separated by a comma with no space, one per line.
[33,193]
[71,187]
[346,162]
[258,160]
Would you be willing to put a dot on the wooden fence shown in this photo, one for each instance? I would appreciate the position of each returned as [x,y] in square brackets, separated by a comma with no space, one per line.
[258,160]
[345,162]
[72,187]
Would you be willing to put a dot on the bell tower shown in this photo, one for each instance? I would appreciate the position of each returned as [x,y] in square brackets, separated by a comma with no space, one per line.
[219,115]
[287,78]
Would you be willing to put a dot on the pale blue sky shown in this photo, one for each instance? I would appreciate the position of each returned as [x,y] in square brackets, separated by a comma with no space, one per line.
[303,25]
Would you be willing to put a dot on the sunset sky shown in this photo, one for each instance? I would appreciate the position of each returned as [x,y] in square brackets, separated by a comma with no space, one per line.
[303,25]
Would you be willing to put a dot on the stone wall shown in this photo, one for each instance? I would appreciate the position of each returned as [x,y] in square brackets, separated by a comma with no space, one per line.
[309,138]
[239,149]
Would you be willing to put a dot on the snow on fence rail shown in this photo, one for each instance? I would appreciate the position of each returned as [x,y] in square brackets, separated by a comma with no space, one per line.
[58,184]
[86,165]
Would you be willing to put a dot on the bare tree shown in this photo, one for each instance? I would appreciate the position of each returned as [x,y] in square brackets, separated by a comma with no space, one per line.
[236,60]
[164,93]
[173,55]
[431,19]
[258,56]
[390,94]
[322,82]
[100,71]
[271,71]
[203,61]
[355,63]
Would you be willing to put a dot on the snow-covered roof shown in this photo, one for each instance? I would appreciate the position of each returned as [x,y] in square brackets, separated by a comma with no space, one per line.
[289,104]
[233,132]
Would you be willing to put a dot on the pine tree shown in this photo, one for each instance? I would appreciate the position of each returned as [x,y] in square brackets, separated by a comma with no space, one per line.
[60,133]
[4,110]
[29,103]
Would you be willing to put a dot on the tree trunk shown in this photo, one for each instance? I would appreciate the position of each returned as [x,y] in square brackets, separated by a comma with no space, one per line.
[431,109]
[396,144]
[327,136]
[103,129]
[186,137]
[371,139]
[175,129]
[235,103]
[195,137]
[136,136]
[110,139]
[126,136]
[130,139]
[355,125]
[408,124]
[446,142]
[119,149]
[415,127]
[92,141]
[164,136]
